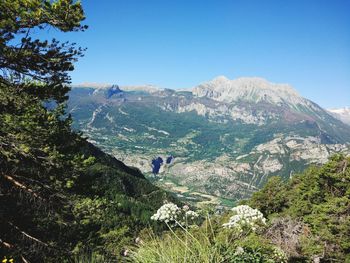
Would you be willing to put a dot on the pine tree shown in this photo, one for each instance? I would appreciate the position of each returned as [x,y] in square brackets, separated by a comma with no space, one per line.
[37,168]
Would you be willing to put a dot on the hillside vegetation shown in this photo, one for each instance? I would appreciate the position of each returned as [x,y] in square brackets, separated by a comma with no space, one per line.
[320,199]
[306,219]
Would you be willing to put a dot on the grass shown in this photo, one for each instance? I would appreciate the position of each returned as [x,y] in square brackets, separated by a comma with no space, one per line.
[90,257]
[178,246]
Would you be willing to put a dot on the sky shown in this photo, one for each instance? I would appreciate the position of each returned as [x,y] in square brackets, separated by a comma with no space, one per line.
[182,43]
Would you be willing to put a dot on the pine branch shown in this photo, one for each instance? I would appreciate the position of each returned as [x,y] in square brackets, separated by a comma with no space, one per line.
[28,236]
[24,260]
[38,240]
[10,246]
[22,186]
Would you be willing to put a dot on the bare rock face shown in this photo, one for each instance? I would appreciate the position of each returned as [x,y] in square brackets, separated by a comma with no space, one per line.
[250,90]
[247,100]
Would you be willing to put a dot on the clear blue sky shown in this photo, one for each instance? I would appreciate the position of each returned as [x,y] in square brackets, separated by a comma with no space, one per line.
[178,44]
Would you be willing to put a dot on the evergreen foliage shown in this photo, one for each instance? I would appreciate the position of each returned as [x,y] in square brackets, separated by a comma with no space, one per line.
[320,199]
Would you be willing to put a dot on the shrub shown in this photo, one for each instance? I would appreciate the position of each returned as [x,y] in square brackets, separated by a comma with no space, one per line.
[209,242]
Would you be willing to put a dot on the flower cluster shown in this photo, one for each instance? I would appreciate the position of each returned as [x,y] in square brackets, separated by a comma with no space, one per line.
[191,214]
[171,213]
[245,217]
[166,213]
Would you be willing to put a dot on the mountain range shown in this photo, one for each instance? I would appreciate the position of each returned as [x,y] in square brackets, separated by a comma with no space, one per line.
[217,142]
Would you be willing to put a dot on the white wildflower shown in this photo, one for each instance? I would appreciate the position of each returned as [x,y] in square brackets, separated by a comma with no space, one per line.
[138,240]
[245,216]
[172,214]
[166,213]
[185,208]
[191,214]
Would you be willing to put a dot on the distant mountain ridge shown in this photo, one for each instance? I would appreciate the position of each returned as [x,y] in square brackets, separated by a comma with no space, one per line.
[227,136]
[342,114]
[247,89]
[103,86]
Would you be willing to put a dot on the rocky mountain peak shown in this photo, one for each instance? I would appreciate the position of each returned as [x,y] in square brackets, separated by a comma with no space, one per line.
[251,89]
[219,80]
[113,91]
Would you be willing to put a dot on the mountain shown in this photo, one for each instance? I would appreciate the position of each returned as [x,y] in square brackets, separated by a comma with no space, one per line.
[342,114]
[225,137]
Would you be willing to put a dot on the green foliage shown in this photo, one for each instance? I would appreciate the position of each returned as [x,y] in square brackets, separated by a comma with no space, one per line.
[271,198]
[320,197]
[91,257]
[209,243]
[309,221]
[37,67]
[89,211]
[37,166]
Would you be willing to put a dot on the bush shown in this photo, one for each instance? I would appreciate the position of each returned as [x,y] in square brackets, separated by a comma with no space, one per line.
[210,242]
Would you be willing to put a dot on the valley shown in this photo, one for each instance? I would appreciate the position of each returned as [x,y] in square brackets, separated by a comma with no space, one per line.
[227,137]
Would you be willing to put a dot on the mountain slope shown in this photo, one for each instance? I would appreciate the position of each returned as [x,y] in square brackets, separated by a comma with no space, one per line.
[342,114]
[227,136]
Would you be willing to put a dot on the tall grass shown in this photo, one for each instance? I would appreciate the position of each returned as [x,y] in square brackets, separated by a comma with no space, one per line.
[208,243]
[90,257]
[176,247]
[190,245]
